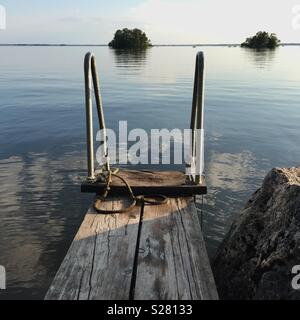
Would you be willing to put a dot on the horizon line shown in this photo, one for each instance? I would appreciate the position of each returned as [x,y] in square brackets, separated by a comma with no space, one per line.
[106,45]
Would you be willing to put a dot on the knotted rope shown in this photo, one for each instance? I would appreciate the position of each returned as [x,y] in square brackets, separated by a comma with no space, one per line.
[106,174]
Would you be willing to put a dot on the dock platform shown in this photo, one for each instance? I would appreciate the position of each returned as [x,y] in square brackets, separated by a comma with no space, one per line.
[148,182]
[149,253]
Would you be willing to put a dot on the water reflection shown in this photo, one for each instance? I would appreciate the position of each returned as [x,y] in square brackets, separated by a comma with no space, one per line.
[232,171]
[40,206]
[231,178]
[260,58]
[130,58]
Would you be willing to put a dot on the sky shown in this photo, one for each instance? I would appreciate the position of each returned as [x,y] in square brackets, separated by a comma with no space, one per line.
[164,21]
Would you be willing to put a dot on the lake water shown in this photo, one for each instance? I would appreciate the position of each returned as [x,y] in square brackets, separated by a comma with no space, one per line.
[252,122]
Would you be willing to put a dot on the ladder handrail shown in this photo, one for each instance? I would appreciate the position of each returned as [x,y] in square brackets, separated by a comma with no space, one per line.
[197,118]
[90,74]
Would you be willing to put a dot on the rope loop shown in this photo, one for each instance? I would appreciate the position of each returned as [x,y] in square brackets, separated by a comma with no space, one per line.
[106,175]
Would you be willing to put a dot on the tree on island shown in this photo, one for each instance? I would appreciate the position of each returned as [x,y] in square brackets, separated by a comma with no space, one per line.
[262,40]
[130,39]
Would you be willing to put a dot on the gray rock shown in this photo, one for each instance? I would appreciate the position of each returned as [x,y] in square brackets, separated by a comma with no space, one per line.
[256,257]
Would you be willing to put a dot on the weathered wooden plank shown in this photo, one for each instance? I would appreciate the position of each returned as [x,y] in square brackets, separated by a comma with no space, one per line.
[145,182]
[173,262]
[99,263]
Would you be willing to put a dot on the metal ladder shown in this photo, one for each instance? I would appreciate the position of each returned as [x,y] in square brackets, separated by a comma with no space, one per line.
[196,166]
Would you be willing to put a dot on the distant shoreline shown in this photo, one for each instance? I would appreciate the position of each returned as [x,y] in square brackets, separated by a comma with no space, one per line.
[104,45]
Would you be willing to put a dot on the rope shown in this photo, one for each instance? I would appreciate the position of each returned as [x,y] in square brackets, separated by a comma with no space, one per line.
[153,200]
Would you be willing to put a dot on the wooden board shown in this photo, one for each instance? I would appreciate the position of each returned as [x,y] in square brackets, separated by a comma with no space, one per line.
[173,263]
[145,182]
[153,252]
[99,263]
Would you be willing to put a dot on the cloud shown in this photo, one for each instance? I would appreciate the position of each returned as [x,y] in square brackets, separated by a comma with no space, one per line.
[165,22]
[210,21]
[169,21]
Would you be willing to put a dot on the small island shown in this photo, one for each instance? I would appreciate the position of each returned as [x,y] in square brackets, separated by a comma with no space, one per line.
[130,39]
[262,40]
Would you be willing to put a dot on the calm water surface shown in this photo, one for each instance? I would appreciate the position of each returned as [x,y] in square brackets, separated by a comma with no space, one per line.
[252,124]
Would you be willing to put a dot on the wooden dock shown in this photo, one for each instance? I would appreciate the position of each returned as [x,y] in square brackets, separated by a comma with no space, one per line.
[150,253]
